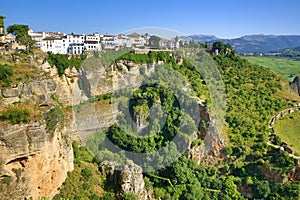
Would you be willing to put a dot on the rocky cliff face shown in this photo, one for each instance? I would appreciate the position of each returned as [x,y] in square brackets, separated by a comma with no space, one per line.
[213,143]
[96,81]
[44,91]
[33,162]
[295,85]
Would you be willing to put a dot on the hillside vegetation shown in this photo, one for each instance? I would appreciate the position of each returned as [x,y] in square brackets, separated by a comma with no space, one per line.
[254,94]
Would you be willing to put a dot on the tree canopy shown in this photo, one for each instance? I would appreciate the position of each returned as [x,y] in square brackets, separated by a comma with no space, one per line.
[20,31]
[154,41]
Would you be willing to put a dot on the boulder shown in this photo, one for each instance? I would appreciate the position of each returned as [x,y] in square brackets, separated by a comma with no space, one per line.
[128,177]
[295,85]
[9,93]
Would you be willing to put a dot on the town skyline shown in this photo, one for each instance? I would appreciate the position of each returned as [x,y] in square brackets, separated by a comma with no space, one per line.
[223,19]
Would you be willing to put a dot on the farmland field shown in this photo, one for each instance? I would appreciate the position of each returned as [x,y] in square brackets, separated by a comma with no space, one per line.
[288,68]
[288,129]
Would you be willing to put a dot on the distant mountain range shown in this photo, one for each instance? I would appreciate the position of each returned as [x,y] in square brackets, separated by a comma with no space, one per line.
[201,38]
[255,43]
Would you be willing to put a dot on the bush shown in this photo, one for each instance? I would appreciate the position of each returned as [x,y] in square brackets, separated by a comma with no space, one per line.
[16,115]
[86,173]
[54,117]
[6,74]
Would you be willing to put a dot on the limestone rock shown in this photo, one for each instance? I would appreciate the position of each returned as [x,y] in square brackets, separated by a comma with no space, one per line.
[46,67]
[27,149]
[128,177]
[9,93]
[295,85]
[71,72]
[131,179]
[122,67]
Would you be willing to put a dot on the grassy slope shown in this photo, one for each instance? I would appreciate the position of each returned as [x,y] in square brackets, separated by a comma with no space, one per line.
[283,66]
[288,129]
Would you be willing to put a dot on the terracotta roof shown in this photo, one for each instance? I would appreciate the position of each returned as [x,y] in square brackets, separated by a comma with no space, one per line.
[9,36]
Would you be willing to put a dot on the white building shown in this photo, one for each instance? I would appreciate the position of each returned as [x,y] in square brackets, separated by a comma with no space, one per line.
[110,41]
[136,40]
[169,44]
[172,44]
[92,42]
[56,45]
[76,48]
[38,37]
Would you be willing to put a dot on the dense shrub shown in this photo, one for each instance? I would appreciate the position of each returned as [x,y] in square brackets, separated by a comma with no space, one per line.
[6,74]
[62,62]
[54,118]
[16,115]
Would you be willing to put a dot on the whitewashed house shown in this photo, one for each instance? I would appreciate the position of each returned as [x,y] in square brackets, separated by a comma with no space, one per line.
[92,42]
[172,44]
[110,42]
[163,43]
[136,40]
[56,45]
[75,43]
[38,37]
[10,39]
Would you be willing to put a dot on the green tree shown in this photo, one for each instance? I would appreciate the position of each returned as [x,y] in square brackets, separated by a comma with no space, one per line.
[230,189]
[20,31]
[262,189]
[86,173]
[221,47]
[146,37]
[154,41]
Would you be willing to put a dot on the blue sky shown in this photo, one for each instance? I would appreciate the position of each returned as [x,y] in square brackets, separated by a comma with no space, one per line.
[223,18]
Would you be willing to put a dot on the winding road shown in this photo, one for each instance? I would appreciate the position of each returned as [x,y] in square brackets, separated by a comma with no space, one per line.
[271,126]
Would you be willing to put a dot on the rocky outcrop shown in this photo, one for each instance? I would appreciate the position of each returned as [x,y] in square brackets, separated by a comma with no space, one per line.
[44,91]
[213,143]
[99,80]
[33,162]
[131,179]
[128,178]
[141,117]
[273,176]
[295,85]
